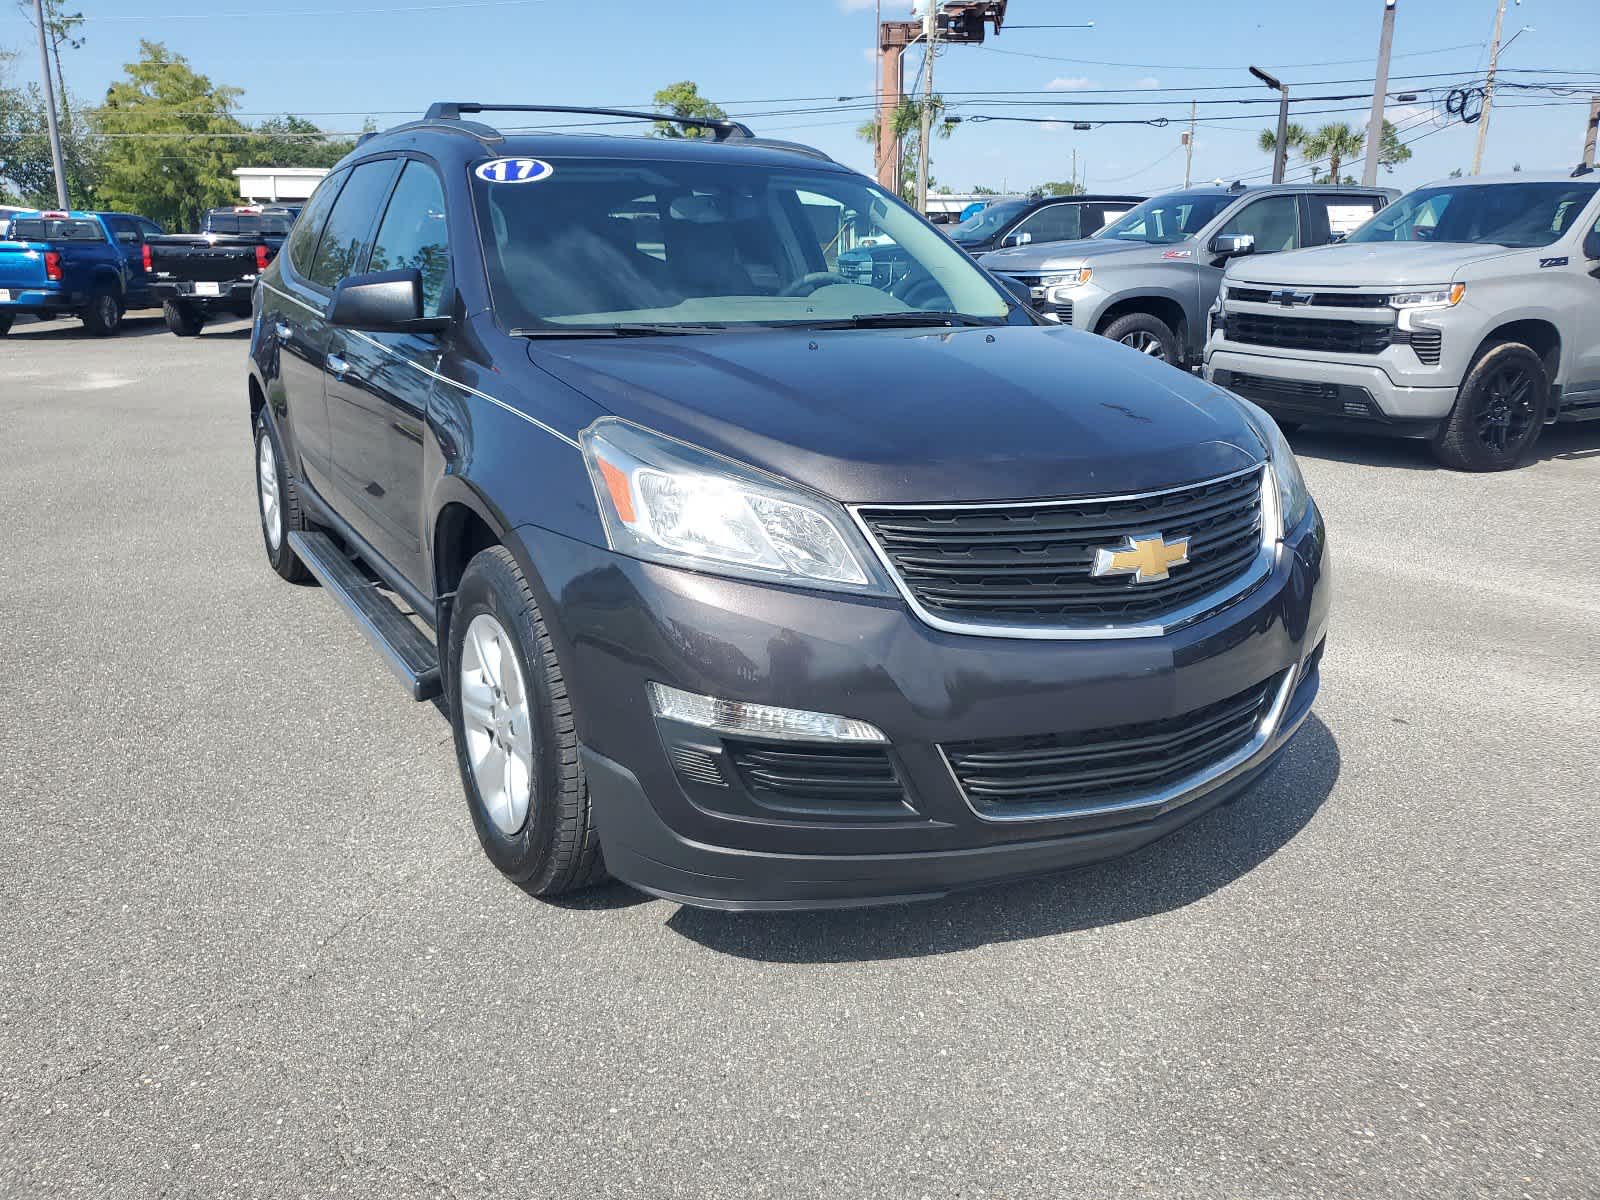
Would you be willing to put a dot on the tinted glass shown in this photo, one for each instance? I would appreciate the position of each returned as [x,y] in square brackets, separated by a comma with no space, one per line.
[1165,219]
[1273,222]
[1054,223]
[412,234]
[123,229]
[248,223]
[1498,214]
[302,243]
[617,242]
[985,224]
[344,241]
[1345,214]
[41,229]
[149,228]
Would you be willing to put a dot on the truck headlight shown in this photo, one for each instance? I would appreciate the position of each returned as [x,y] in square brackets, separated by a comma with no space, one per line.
[666,501]
[1284,498]
[1054,284]
[1446,295]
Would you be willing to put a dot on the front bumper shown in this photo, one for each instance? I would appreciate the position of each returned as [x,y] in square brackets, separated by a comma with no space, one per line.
[620,623]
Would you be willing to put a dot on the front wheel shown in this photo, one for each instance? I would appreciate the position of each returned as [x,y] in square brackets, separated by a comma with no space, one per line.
[515,740]
[1498,413]
[103,316]
[1146,334]
[278,504]
[182,319]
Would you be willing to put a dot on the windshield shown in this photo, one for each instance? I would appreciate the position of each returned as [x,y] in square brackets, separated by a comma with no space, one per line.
[618,243]
[981,226]
[65,229]
[1495,214]
[1163,220]
[249,223]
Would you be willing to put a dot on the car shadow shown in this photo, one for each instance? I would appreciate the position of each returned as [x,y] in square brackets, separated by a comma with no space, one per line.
[73,330]
[1188,865]
[1574,441]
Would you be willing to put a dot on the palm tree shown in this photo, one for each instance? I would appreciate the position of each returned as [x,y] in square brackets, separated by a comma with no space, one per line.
[1335,142]
[1268,141]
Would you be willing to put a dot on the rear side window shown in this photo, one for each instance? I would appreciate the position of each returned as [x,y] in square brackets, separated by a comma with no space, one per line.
[345,241]
[1340,216]
[1053,223]
[412,234]
[302,243]
[124,229]
[148,229]
[249,223]
[65,229]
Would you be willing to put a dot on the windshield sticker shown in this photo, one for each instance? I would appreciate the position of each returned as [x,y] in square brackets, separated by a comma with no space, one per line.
[514,170]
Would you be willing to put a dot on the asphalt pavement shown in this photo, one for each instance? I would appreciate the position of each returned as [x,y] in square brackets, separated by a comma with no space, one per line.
[249,945]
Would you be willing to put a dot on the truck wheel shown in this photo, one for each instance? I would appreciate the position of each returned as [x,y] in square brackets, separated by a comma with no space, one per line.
[182,319]
[5,323]
[278,504]
[1498,413]
[1146,334]
[515,741]
[103,315]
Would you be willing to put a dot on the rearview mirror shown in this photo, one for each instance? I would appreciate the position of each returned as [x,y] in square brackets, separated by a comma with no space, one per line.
[1233,245]
[383,302]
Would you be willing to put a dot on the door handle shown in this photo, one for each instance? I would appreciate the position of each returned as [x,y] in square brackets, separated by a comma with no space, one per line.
[282,331]
[337,365]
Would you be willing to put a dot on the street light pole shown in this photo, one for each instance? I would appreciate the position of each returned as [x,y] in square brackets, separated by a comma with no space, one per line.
[50,106]
[1280,155]
[930,32]
[1369,172]
[1488,89]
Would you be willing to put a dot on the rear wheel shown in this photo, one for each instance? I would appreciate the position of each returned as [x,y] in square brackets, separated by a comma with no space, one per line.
[278,504]
[1146,334]
[183,319]
[516,744]
[1498,413]
[103,314]
[5,323]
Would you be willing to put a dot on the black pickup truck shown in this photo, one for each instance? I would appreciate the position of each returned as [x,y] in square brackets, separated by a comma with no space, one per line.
[198,275]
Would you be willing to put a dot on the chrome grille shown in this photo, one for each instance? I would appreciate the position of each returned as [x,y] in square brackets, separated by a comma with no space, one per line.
[1028,565]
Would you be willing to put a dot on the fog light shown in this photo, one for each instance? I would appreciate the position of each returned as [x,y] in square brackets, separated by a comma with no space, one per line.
[757,720]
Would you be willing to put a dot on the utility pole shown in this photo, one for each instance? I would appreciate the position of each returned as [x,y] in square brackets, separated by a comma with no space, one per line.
[1488,89]
[1380,88]
[1188,143]
[1591,131]
[1074,171]
[930,34]
[50,106]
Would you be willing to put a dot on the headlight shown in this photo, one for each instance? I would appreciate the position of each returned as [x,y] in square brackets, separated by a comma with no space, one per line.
[666,501]
[1055,285]
[1443,296]
[1284,498]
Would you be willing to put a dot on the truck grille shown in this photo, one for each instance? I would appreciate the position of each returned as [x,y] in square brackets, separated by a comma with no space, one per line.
[1035,285]
[1029,564]
[1059,773]
[802,778]
[1308,333]
[1320,299]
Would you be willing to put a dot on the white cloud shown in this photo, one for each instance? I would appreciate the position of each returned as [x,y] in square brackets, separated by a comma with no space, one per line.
[1069,83]
[1052,126]
[856,5]
[1148,82]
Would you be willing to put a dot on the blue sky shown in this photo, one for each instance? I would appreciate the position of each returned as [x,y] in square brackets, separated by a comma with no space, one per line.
[339,60]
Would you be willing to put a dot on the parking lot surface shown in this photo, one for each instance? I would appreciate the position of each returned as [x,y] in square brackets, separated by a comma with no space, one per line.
[249,945]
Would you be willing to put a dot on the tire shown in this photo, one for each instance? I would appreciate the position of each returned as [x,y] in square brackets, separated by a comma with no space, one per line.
[1498,413]
[5,323]
[102,316]
[551,847]
[1146,334]
[284,513]
[182,319]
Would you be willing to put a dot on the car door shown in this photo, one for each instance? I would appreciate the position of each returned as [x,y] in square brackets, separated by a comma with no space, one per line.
[293,317]
[129,239]
[1585,317]
[379,384]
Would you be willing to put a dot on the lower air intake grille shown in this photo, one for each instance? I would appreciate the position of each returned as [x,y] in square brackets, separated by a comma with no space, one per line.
[1428,344]
[822,779]
[1054,774]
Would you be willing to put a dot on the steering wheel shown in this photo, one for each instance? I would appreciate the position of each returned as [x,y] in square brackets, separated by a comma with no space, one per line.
[811,281]
[919,291]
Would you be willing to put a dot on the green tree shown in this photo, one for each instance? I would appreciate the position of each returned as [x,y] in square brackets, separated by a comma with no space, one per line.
[290,141]
[1334,142]
[171,140]
[61,29]
[1060,188]
[25,162]
[1295,139]
[979,189]
[683,99]
[905,123]
[1391,150]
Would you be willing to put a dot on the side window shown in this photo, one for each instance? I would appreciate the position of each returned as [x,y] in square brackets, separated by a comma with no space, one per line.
[1342,215]
[1274,222]
[1053,223]
[124,230]
[412,234]
[149,229]
[302,243]
[344,241]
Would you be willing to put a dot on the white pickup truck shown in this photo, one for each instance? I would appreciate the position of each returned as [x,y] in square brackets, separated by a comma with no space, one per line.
[1467,312]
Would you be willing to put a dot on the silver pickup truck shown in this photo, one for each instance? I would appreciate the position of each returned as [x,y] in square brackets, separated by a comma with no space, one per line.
[1467,312]
[1147,279]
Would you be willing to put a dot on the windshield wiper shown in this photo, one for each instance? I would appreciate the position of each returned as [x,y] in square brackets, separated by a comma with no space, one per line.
[607,331]
[901,320]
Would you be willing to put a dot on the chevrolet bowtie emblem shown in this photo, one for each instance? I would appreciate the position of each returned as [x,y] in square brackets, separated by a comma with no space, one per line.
[1147,559]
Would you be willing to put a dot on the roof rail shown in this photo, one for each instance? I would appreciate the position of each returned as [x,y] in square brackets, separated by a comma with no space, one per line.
[721,129]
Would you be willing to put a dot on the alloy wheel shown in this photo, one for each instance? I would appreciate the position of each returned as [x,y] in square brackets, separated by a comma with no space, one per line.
[1504,413]
[267,482]
[1144,342]
[497,722]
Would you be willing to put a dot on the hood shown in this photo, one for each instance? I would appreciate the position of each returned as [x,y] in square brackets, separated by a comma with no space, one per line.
[1365,264]
[900,416]
[1051,255]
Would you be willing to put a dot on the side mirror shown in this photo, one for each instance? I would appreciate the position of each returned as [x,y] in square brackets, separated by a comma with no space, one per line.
[1020,292]
[1016,239]
[383,302]
[1233,245]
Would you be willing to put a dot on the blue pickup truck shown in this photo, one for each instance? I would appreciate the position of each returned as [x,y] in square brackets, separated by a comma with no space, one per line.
[90,265]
